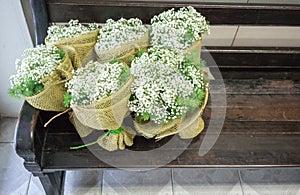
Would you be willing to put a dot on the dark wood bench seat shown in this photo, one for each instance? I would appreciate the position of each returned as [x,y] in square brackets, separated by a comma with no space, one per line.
[262,122]
[263,131]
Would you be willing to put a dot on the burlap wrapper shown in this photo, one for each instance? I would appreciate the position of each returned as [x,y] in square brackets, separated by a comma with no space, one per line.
[126,52]
[52,97]
[107,113]
[187,127]
[195,50]
[77,47]
[114,141]
[111,142]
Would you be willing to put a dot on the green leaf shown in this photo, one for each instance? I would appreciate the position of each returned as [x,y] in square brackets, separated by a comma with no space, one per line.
[61,53]
[27,89]
[125,74]
[116,131]
[114,60]
[189,35]
[139,53]
[202,63]
[145,116]
[67,99]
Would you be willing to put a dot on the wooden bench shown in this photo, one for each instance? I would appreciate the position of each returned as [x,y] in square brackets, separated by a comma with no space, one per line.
[262,122]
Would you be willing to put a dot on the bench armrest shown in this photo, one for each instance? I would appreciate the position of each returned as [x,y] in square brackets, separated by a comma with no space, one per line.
[25,128]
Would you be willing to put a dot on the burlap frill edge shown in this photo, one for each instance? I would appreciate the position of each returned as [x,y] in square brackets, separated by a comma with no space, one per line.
[107,113]
[52,97]
[77,47]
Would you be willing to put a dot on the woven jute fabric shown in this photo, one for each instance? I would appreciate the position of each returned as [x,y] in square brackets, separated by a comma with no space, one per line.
[195,50]
[52,97]
[125,52]
[188,126]
[110,142]
[117,141]
[77,47]
[107,113]
[82,130]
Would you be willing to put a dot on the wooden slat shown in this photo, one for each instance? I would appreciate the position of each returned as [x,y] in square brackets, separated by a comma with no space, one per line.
[231,149]
[270,97]
[260,86]
[57,141]
[254,57]
[260,107]
[258,73]
[284,107]
[253,63]
[238,14]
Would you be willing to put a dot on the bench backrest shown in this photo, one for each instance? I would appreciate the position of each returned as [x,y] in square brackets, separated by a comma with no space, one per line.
[48,11]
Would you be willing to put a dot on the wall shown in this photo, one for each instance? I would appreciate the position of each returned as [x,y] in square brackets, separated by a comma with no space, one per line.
[14,38]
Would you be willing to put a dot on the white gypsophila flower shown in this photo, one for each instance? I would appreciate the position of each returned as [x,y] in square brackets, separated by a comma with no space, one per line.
[159,82]
[178,29]
[38,63]
[72,29]
[94,81]
[115,33]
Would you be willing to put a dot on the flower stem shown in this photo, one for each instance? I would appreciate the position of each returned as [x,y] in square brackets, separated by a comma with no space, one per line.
[92,143]
[114,132]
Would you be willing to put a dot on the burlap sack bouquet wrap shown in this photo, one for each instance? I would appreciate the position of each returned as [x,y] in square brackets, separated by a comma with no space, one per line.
[74,38]
[121,39]
[98,95]
[41,77]
[180,30]
[169,94]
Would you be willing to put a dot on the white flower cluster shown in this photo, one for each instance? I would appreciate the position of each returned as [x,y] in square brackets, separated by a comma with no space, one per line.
[74,28]
[115,33]
[160,79]
[38,63]
[178,29]
[94,81]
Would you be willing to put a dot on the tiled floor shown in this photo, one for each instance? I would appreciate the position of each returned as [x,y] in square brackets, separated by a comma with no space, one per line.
[16,180]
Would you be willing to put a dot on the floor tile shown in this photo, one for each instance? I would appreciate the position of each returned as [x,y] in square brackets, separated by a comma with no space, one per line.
[225,1]
[220,35]
[271,181]
[156,181]
[268,36]
[275,1]
[14,178]
[206,181]
[35,187]
[83,182]
[7,129]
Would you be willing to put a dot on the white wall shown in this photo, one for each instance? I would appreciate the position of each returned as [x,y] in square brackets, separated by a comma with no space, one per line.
[14,38]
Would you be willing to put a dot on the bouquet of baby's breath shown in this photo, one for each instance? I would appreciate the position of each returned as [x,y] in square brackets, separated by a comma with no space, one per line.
[121,39]
[41,76]
[179,30]
[98,94]
[72,29]
[74,38]
[168,92]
